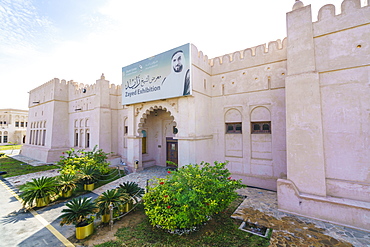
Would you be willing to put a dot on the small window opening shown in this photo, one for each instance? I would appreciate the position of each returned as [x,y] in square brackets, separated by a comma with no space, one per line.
[233,128]
[261,127]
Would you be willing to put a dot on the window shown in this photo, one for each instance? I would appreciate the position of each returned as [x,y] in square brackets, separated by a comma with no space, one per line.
[16,124]
[43,137]
[126,130]
[76,138]
[22,124]
[233,128]
[261,127]
[5,139]
[87,139]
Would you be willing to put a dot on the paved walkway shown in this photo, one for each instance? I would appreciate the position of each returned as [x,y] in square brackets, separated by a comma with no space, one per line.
[27,160]
[259,206]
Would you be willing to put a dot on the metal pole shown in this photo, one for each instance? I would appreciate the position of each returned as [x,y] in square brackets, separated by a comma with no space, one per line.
[111,216]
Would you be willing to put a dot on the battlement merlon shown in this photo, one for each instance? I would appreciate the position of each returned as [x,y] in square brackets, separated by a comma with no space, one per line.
[352,15]
[57,89]
[200,60]
[250,57]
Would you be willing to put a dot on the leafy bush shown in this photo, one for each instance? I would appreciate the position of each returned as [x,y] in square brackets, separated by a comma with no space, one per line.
[190,196]
[75,160]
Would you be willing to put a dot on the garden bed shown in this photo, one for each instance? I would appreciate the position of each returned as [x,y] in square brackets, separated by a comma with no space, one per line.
[135,230]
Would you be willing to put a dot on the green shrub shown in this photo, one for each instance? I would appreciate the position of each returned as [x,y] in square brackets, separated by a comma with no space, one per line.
[73,160]
[73,164]
[190,196]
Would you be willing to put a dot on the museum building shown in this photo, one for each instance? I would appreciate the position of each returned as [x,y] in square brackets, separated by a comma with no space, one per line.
[292,116]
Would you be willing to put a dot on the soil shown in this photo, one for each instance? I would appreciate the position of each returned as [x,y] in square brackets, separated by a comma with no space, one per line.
[103,232]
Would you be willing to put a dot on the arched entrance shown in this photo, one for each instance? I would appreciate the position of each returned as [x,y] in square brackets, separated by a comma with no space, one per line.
[157,130]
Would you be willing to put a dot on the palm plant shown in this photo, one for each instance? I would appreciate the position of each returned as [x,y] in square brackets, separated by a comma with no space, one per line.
[132,189]
[37,189]
[78,211]
[66,183]
[110,197]
[89,175]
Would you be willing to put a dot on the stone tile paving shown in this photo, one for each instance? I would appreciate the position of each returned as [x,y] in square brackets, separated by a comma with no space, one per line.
[22,179]
[289,230]
[138,177]
[28,160]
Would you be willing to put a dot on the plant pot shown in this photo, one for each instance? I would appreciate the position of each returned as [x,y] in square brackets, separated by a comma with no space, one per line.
[89,187]
[105,218]
[84,231]
[128,206]
[42,202]
[67,193]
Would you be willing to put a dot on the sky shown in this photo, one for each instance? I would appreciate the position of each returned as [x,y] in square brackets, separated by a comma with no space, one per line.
[81,39]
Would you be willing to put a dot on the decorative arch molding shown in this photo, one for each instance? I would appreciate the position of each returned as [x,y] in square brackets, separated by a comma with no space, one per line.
[147,109]
[233,115]
[260,113]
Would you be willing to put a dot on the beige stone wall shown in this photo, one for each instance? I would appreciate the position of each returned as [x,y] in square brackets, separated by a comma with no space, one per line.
[342,58]
[327,106]
[248,86]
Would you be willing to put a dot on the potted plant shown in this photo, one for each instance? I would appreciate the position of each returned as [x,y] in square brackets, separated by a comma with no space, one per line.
[38,191]
[110,197]
[134,192]
[79,212]
[66,184]
[171,166]
[88,176]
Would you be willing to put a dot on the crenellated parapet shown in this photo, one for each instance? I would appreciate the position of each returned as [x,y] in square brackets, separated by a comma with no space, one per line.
[200,60]
[251,57]
[70,91]
[352,15]
[51,90]
[342,40]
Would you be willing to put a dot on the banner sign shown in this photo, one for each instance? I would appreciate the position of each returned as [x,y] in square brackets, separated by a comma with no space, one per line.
[166,75]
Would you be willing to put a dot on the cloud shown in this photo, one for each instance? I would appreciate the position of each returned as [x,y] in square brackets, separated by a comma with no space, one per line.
[22,29]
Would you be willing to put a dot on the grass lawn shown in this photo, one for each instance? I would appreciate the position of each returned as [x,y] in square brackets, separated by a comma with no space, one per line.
[221,230]
[15,168]
[10,147]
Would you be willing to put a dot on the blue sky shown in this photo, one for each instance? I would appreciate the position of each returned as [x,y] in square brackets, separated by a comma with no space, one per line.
[81,39]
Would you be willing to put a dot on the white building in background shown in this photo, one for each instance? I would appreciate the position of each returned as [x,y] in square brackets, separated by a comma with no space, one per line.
[13,126]
[292,116]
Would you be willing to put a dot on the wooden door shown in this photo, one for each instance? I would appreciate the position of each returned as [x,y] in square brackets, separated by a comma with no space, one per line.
[172,151]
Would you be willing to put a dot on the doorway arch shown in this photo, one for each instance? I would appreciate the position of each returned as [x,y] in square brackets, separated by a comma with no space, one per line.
[157,131]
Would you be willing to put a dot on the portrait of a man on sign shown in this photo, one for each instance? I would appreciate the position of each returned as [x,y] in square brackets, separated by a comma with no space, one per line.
[178,72]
